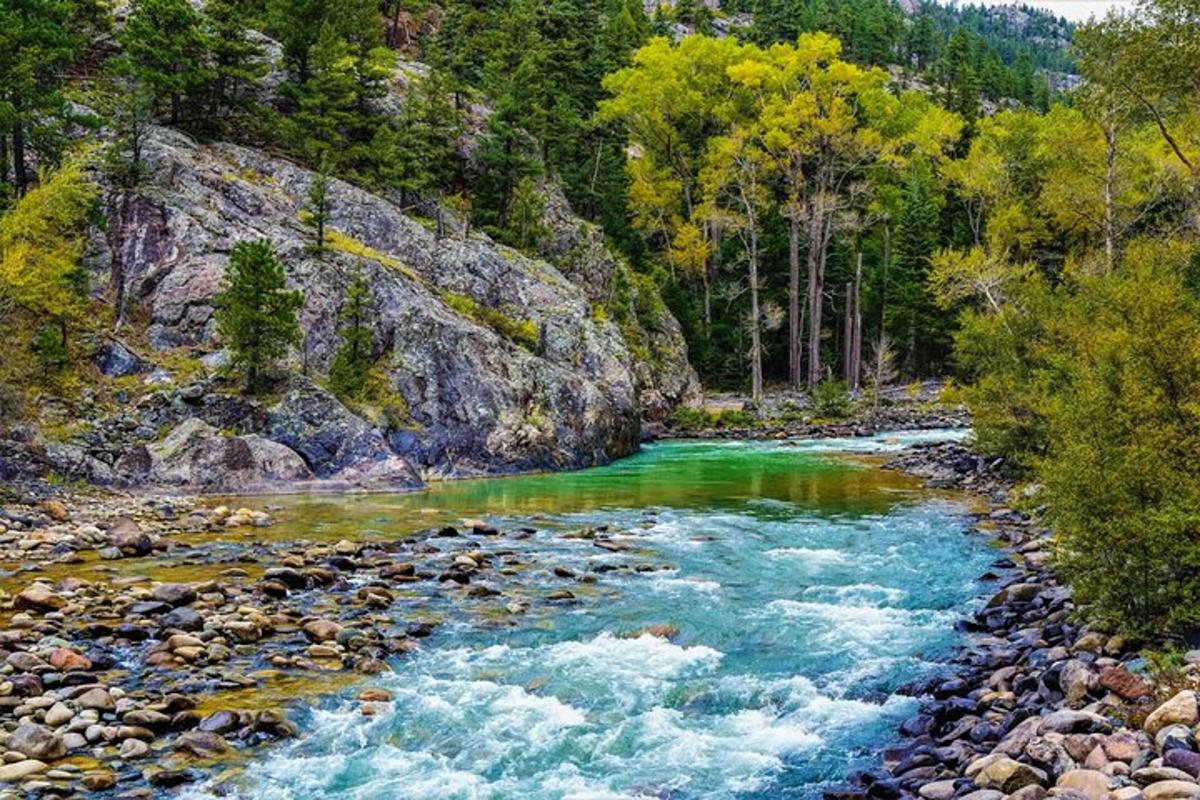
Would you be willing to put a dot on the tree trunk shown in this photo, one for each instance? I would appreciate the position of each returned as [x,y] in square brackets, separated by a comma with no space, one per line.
[856,329]
[848,335]
[816,226]
[756,374]
[1110,158]
[794,360]
[20,175]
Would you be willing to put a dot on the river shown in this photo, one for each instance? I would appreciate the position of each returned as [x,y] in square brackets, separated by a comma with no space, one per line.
[800,586]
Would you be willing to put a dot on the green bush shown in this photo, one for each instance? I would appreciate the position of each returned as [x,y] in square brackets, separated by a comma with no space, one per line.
[831,399]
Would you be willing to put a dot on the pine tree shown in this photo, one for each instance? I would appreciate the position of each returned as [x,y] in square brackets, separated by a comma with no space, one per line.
[35,44]
[237,62]
[167,50]
[917,233]
[349,372]
[317,209]
[256,313]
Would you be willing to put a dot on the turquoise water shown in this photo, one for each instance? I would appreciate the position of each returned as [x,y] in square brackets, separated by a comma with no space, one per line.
[805,587]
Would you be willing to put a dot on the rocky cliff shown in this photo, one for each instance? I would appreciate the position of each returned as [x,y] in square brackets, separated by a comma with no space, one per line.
[494,361]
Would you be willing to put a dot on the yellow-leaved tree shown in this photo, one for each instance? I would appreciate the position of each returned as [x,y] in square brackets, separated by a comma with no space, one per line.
[43,288]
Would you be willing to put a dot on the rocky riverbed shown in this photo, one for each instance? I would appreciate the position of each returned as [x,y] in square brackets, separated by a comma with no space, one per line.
[124,683]
[1041,705]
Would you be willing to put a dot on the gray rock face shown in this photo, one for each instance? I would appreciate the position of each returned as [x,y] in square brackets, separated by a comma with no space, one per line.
[333,441]
[196,456]
[455,324]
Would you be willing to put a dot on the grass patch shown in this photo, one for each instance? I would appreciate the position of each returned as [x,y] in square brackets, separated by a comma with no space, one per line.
[336,240]
[523,332]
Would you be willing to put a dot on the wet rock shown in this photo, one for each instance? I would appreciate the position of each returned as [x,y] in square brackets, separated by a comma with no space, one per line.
[66,660]
[220,722]
[184,619]
[133,749]
[174,594]
[322,630]
[202,744]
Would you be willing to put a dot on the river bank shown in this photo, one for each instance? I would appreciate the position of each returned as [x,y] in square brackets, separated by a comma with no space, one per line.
[1040,704]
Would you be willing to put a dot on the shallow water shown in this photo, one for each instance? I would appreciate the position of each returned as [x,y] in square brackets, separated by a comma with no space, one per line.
[805,586]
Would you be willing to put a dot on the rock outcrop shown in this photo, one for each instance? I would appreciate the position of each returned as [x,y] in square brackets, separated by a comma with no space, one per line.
[496,361]
[195,455]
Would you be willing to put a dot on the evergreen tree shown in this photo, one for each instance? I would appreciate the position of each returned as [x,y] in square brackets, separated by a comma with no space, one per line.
[317,209]
[36,43]
[961,78]
[256,313]
[237,63]
[166,49]
[917,236]
[349,372]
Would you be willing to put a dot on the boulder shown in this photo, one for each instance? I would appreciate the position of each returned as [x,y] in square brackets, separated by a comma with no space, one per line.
[333,441]
[1179,710]
[36,741]
[196,456]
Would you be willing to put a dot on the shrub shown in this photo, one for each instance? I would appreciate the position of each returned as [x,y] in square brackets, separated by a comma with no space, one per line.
[831,399]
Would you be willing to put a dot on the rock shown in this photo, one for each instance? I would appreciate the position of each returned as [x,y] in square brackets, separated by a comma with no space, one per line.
[202,744]
[1090,783]
[334,441]
[117,361]
[56,510]
[66,660]
[196,456]
[374,695]
[1171,790]
[128,537]
[1179,710]
[58,714]
[219,722]
[36,741]
[937,790]
[1123,683]
[11,773]
[1068,721]
[322,630]
[466,385]
[1147,775]
[185,619]
[133,749]
[98,780]
[38,597]
[1077,681]
[1183,760]
[96,698]
[1175,737]
[175,594]
[1007,775]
